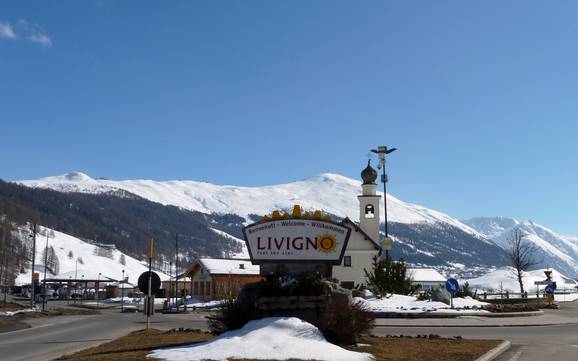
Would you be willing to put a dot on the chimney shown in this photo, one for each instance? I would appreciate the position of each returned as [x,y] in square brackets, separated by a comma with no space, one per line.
[241,266]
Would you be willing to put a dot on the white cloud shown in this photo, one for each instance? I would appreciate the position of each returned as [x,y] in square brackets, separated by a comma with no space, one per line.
[6,31]
[41,39]
[25,30]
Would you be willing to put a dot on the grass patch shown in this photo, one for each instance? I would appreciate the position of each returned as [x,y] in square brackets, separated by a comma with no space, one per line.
[519,307]
[11,323]
[137,345]
[11,307]
[425,348]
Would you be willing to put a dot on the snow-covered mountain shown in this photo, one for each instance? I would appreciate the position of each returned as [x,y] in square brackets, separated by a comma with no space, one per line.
[554,250]
[423,236]
[332,193]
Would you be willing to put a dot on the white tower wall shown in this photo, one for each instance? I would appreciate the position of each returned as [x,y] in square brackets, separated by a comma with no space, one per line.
[369,214]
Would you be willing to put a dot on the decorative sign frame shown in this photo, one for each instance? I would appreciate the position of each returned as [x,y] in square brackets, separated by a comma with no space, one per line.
[296,240]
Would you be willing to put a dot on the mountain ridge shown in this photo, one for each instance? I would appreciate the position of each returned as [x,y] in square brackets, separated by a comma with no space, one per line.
[422,236]
[553,249]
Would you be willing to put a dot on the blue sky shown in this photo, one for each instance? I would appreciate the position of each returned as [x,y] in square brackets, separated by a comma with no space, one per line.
[479,97]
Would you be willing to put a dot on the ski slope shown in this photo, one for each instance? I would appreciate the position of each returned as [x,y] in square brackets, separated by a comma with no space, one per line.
[84,260]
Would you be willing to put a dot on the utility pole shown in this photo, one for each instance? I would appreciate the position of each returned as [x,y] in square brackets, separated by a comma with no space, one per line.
[177,271]
[122,294]
[76,279]
[44,279]
[381,151]
[33,260]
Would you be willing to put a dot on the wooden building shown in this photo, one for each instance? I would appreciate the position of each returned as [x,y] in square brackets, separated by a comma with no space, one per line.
[216,279]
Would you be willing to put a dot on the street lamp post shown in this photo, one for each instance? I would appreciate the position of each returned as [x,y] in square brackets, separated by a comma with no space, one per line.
[96,291]
[33,236]
[122,293]
[44,280]
[381,151]
[76,280]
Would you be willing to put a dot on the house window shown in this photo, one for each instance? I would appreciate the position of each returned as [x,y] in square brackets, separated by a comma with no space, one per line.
[196,288]
[369,211]
[348,284]
[208,288]
[347,261]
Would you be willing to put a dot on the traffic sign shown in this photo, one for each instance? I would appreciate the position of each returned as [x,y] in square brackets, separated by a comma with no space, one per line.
[452,285]
[550,289]
[143,282]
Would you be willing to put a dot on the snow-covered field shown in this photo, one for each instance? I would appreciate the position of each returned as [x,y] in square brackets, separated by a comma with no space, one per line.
[505,279]
[78,258]
[409,304]
[271,338]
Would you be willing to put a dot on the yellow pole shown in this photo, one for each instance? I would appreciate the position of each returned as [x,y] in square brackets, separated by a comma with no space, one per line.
[150,284]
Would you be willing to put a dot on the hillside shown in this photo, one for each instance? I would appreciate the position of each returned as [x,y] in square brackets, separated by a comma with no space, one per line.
[122,219]
[71,255]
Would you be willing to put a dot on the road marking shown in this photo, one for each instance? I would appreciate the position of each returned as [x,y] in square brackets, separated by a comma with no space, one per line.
[516,356]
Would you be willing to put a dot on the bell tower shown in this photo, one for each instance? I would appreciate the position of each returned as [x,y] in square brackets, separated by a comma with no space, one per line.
[369,203]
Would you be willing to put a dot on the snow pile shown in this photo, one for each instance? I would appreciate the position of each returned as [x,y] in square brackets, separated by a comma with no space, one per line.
[127,300]
[193,302]
[468,302]
[271,338]
[410,304]
[12,313]
[505,276]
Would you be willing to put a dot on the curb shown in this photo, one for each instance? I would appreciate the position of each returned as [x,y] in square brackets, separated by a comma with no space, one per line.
[478,326]
[409,315]
[495,352]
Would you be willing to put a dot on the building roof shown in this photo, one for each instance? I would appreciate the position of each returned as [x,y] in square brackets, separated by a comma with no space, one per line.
[229,266]
[81,275]
[425,275]
[358,229]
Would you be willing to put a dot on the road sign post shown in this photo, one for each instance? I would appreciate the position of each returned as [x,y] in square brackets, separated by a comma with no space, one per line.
[150,281]
[452,286]
[550,288]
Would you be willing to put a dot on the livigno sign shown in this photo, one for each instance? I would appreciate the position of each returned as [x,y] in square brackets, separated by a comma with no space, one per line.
[296,240]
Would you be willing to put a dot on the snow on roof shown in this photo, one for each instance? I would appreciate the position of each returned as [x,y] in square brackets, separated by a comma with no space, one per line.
[82,274]
[426,275]
[229,266]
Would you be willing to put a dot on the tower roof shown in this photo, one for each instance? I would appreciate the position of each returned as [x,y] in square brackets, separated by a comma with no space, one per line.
[369,175]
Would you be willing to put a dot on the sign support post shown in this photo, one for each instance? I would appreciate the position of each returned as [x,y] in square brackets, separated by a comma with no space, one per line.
[149,294]
[452,286]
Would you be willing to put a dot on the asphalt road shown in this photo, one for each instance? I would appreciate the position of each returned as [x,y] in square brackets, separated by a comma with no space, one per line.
[532,343]
[529,343]
[56,336]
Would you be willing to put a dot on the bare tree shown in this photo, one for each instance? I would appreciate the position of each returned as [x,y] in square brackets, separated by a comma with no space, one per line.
[521,255]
